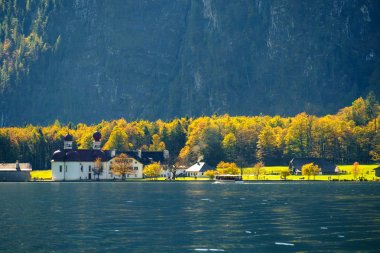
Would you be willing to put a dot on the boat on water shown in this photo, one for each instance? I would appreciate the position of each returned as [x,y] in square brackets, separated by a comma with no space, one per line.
[228,179]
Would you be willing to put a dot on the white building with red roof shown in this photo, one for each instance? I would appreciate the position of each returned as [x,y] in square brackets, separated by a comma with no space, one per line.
[68,164]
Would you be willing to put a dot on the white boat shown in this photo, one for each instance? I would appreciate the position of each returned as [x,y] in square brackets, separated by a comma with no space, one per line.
[229,179]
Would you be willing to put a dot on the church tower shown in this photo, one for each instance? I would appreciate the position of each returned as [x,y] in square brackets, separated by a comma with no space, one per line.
[68,142]
[96,144]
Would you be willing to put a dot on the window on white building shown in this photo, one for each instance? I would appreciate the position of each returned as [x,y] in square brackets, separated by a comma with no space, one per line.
[136,168]
[81,168]
[60,168]
[89,168]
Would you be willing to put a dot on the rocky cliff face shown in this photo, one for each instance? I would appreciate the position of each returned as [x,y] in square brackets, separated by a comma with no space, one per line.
[161,59]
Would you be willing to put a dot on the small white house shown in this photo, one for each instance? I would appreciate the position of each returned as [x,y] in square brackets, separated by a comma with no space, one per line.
[198,169]
[72,165]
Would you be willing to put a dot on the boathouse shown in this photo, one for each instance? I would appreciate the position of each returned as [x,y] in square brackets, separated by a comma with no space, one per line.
[326,166]
[15,172]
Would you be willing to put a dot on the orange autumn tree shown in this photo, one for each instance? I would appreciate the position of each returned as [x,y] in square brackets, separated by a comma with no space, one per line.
[356,170]
[122,165]
[98,167]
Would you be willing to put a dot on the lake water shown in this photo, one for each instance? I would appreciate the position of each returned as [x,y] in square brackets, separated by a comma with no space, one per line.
[189,217]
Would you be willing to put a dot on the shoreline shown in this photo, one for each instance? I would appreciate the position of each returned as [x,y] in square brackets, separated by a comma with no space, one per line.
[198,181]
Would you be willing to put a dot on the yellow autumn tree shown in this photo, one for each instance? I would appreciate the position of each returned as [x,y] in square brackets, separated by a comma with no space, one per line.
[229,146]
[310,169]
[152,170]
[210,174]
[157,144]
[118,140]
[299,135]
[227,168]
[258,170]
[266,145]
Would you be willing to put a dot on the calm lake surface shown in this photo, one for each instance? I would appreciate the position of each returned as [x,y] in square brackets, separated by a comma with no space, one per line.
[189,217]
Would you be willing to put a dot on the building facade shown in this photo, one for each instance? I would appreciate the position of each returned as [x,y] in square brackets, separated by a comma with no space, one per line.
[198,169]
[327,167]
[93,164]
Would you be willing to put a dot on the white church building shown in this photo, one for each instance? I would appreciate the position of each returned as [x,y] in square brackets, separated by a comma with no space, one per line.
[75,165]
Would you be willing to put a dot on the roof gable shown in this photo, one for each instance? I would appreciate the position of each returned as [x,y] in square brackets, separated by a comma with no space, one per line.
[80,155]
[199,167]
[146,157]
[90,155]
[326,166]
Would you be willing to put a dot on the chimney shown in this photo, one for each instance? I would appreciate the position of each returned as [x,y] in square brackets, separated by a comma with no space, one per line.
[139,153]
[166,154]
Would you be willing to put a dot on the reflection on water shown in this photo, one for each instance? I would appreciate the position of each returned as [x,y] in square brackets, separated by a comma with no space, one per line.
[185,217]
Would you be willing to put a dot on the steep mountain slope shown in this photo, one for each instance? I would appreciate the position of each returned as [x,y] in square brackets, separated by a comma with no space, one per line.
[161,59]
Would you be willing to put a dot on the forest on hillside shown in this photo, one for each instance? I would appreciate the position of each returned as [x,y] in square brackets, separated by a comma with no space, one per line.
[23,39]
[160,59]
[348,136]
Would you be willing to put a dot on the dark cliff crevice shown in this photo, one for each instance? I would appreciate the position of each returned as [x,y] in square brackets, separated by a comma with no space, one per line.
[173,106]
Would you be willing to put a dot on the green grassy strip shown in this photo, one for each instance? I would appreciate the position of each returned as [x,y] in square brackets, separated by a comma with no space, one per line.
[271,173]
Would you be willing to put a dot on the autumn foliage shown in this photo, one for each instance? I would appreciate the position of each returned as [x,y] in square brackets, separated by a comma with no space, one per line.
[310,169]
[350,135]
[210,174]
[152,170]
[122,166]
[227,168]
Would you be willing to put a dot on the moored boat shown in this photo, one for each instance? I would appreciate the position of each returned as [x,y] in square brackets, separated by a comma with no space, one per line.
[228,179]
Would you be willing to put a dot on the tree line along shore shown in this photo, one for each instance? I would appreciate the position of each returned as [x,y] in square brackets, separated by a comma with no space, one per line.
[350,135]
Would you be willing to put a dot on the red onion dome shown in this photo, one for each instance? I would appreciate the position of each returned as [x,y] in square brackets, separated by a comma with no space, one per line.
[97,136]
[68,137]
